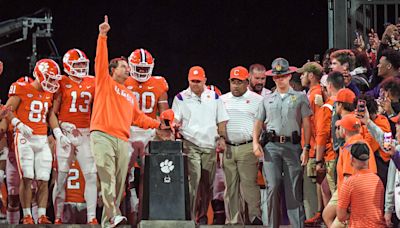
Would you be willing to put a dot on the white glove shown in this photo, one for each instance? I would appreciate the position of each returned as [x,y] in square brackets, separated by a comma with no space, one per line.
[69,129]
[61,137]
[24,129]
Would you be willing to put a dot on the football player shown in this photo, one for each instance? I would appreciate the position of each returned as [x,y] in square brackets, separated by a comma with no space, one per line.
[151,94]
[31,104]
[72,104]
[13,178]
[74,205]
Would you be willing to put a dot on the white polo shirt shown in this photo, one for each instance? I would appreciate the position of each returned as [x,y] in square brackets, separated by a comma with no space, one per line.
[242,111]
[199,116]
[265,92]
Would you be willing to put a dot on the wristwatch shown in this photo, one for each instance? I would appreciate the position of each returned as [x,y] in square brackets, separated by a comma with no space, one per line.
[307,146]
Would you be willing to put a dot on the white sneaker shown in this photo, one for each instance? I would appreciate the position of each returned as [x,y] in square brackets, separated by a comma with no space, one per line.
[117,220]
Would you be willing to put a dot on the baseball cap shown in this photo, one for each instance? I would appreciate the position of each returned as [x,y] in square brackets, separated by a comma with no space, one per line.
[324,80]
[239,72]
[280,66]
[312,67]
[197,73]
[346,96]
[360,151]
[349,122]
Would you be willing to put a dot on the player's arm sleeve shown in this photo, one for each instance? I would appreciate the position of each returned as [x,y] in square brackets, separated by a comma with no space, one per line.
[142,120]
[101,61]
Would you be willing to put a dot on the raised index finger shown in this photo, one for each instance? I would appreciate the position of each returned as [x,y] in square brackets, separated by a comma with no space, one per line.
[106,19]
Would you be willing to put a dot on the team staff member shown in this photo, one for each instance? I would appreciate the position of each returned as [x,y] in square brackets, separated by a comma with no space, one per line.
[115,109]
[284,113]
[202,117]
[258,79]
[239,162]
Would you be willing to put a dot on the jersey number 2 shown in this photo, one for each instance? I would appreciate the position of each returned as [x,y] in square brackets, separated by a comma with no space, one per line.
[73,176]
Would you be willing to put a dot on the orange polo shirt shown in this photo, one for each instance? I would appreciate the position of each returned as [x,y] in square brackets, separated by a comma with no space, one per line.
[364,193]
[323,136]
[344,167]
[115,108]
[383,123]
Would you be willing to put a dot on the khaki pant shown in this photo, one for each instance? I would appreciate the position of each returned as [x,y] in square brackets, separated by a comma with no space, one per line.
[330,175]
[111,157]
[310,198]
[241,183]
[201,165]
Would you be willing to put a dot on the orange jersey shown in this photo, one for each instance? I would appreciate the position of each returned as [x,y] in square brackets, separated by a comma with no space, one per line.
[34,106]
[75,187]
[76,101]
[148,93]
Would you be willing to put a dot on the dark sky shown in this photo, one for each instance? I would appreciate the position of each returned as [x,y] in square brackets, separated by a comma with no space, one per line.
[217,35]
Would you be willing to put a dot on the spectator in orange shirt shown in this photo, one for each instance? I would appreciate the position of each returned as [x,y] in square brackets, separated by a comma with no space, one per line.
[382,157]
[349,129]
[363,192]
[311,74]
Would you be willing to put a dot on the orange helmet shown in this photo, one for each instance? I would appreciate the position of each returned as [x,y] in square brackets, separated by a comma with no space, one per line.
[76,63]
[167,115]
[141,63]
[25,79]
[47,72]
[215,89]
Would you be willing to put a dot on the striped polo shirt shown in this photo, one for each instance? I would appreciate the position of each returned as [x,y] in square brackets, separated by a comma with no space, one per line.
[242,111]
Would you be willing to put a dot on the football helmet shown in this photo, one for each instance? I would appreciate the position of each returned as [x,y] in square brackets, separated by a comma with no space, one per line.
[47,72]
[25,79]
[76,63]
[141,63]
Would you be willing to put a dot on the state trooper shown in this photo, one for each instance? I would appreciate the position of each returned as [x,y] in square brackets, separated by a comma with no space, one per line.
[284,113]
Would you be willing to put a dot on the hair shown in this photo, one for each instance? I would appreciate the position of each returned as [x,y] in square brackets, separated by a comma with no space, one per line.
[392,85]
[114,63]
[393,57]
[326,60]
[372,105]
[344,56]
[256,66]
[350,107]
[361,59]
[336,78]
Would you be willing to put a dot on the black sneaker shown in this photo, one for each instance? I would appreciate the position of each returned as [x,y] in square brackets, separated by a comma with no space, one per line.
[203,220]
[256,221]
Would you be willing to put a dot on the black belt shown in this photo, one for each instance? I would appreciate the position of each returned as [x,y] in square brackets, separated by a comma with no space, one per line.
[238,144]
[281,139]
